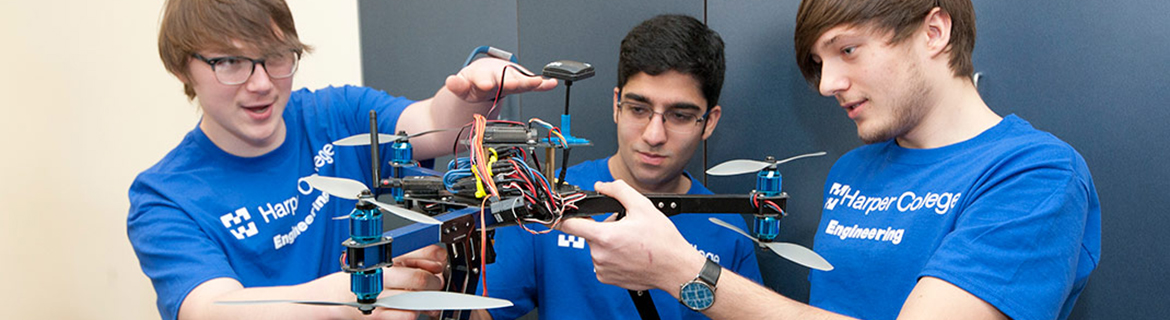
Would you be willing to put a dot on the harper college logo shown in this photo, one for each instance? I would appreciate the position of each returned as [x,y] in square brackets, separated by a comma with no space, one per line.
[565,241]
[238,218]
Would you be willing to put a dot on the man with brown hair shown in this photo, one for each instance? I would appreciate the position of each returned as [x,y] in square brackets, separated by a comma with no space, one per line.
[227,214]
[949,211]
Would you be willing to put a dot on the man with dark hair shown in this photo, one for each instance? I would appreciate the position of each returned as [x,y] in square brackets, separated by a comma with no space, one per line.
[227,214]
[670,73]
[950,211]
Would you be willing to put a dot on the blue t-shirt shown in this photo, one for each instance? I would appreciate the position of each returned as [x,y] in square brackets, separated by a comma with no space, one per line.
[1010,216]
[201,213]
[554,271]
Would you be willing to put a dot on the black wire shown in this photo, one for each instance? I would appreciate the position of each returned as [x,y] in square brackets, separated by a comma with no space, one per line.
[455,145]
[564,165]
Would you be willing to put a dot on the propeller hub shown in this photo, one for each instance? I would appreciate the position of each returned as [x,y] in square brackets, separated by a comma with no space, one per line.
[365,201]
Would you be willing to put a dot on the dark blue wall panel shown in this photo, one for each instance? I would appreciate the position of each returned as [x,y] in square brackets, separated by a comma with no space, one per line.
[409,47]
[1094,74]
[1097,75]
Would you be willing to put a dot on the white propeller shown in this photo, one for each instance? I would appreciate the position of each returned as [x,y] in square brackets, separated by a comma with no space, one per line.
[793,252]
[363,139]
[350,189]
[741,166]
[414,300]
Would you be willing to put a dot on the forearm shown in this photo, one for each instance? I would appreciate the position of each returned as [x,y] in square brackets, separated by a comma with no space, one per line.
[737,297]
[200,303]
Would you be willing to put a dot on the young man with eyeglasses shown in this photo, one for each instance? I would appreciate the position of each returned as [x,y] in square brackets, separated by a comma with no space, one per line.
[670,73]
[949,212]
[227,215]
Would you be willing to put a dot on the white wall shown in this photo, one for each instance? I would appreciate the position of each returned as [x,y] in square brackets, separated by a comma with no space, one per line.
[86,106]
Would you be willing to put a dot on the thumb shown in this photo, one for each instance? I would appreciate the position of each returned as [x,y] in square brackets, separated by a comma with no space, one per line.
[458,85]
[631,199]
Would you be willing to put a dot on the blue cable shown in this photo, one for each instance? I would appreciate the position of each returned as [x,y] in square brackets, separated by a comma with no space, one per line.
[491,51]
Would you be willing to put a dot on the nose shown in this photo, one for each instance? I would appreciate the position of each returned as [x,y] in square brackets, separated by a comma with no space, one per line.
[259,81]
[654,134]
[833,80]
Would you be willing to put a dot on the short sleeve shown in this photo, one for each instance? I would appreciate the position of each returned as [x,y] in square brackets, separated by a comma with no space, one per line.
[172,249]
[1017,244]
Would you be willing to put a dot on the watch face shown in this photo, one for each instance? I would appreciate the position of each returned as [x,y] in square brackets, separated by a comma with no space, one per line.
[697,295]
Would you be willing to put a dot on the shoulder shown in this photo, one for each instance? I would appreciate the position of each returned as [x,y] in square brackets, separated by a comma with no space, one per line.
[185,157]
[1025,147]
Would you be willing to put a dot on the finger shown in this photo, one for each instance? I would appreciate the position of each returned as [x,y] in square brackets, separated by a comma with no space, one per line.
[391,314]
[432,252]
[546,85]
[582,227]
[431,266]
[410,279]
[514,82]
[629,198]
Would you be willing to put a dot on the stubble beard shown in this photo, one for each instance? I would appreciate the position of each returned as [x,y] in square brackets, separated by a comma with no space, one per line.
[906,111]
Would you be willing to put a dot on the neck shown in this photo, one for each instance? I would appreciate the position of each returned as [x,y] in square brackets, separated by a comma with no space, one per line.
[954,113]
[677,184]
[236,146]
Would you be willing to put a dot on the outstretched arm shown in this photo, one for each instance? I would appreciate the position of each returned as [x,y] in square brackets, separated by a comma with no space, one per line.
[419,270]
[468,92]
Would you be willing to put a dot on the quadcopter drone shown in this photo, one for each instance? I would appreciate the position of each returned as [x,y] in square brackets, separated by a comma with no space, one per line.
[502,183]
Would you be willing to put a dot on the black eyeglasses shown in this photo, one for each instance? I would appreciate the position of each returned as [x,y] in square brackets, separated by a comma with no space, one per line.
[233,70]
[676,120]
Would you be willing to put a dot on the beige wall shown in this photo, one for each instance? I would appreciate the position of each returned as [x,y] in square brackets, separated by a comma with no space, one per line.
[86,106]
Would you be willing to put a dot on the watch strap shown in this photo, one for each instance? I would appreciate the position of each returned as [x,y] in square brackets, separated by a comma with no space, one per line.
[710,273]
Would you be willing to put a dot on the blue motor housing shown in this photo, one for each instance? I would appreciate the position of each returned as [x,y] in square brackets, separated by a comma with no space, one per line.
[768,183]
[767,228]
[402,154]
[365,226]
[367,285]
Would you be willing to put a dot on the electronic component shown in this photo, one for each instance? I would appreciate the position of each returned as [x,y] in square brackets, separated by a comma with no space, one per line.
[567,70]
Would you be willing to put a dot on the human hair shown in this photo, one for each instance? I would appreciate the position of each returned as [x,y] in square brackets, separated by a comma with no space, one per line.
[900,17]
[229,26]
[674,42]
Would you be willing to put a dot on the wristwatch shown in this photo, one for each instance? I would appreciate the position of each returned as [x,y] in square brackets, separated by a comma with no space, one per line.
[699,293]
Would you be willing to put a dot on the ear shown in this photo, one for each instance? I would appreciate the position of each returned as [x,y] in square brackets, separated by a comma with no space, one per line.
[616,97]
[712,121]
[937,25]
